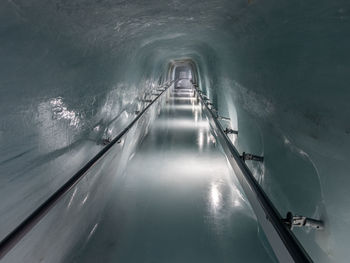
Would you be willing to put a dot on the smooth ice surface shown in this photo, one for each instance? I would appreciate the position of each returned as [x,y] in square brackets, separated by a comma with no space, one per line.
[177,200]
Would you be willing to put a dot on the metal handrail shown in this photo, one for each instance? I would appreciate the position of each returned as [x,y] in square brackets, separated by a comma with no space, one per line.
[283,242]
[22,229]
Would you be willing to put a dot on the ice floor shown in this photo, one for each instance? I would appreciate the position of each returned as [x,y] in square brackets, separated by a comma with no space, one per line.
[178,201]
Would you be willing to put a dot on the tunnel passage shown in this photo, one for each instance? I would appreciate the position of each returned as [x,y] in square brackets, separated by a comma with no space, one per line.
[178,200]
[73,74]
[171,196]
[175,140]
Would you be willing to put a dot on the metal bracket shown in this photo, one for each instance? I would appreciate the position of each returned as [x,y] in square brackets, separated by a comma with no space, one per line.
[251,157]
[301,221]
[230,131]
[106,141]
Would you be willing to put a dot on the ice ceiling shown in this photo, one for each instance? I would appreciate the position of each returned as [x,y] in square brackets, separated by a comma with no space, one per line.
[281,68]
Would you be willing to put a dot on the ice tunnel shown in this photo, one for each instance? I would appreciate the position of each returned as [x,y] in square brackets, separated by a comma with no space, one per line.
[174,131]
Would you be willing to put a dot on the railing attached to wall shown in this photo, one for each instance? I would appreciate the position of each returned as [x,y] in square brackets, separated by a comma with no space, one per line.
[21,230]
[283,242]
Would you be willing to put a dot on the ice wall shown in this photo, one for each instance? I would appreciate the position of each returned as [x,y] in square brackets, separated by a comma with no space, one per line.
[289,79]
[280,69]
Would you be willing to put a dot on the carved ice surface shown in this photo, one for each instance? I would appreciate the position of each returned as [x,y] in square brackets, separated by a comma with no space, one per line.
[74,73]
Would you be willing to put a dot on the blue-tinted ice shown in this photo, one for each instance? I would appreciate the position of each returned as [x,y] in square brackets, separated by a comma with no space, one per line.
[177,200]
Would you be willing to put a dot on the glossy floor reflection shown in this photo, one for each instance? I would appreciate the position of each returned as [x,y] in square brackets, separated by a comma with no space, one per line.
[178,201]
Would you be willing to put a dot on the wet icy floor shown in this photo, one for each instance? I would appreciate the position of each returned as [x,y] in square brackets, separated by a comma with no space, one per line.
[178,200]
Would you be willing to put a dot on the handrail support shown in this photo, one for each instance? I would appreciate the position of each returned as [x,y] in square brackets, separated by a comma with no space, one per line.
[302,221]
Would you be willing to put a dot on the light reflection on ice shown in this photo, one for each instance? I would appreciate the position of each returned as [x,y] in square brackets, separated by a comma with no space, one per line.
[92,231]
[183,124]
[200,139]
[184,99]
[72,197]
[85,199]
[215,197]
[60,111]
[237,197]
[224,191]
[211,138]
[236,203]
[57,123]
[192,107]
